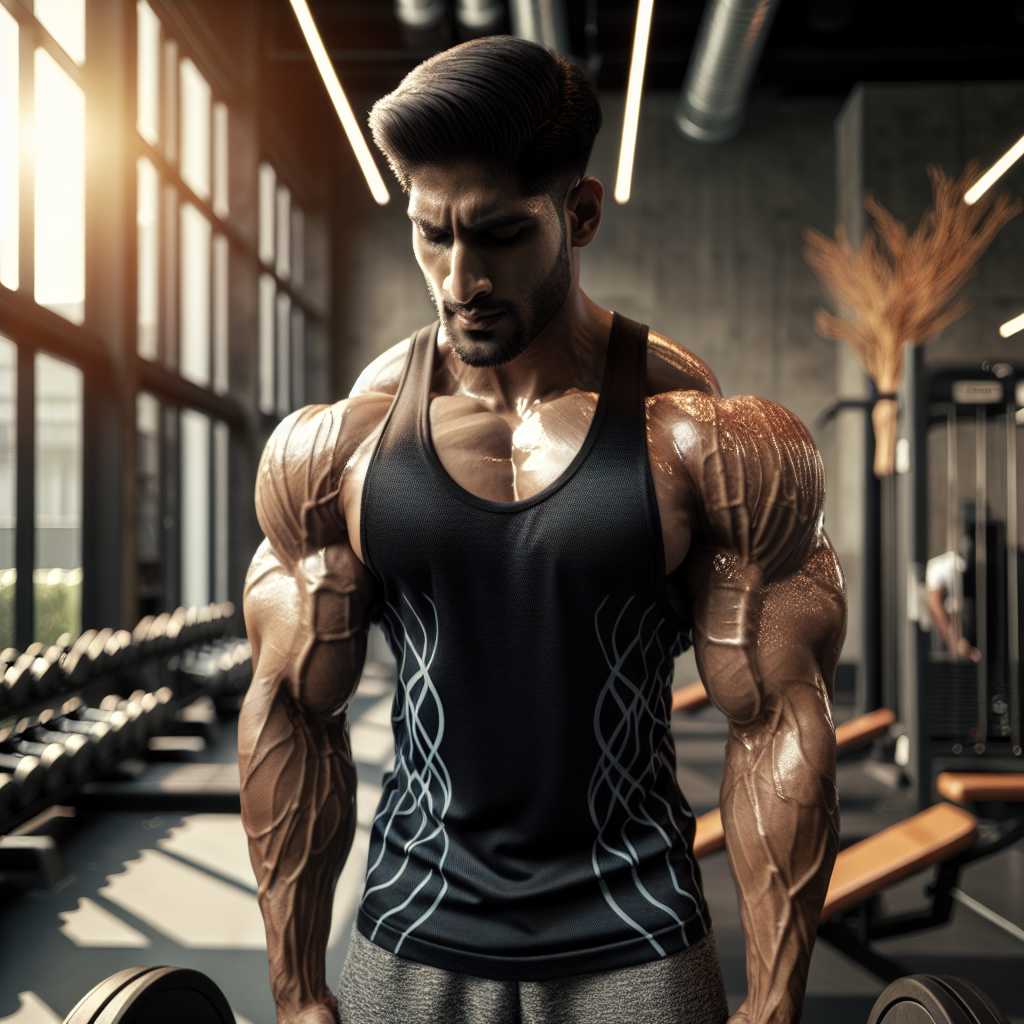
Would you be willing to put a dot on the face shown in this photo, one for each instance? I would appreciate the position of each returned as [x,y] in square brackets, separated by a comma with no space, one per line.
[496,262]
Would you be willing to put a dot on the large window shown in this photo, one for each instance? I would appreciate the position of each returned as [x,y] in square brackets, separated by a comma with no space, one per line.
[9,150]
[181,193]
[42,164]
[183,266]
[57,578]
[8,487]
[59,190]
[282,320]
[224,278]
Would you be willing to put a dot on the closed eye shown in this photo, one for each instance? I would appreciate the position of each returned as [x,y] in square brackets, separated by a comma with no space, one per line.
[506,232]
[435,237]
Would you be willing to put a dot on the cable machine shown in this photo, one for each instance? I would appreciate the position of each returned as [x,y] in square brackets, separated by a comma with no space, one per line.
[956,529]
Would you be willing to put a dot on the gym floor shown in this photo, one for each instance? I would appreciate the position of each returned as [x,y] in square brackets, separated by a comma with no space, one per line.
[176,888]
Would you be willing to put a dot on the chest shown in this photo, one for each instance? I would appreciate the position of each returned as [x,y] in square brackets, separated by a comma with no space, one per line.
[514,458]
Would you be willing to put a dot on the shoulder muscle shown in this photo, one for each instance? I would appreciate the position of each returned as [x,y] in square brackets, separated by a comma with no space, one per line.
[384,373]
[673,367]
[758,476]
[299,480]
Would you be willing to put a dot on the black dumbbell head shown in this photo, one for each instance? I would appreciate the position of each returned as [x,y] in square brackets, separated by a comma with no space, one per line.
[18,680]
[77,664]
[153,995]
[53,760]
[80,750]
[27,775]
[8,794]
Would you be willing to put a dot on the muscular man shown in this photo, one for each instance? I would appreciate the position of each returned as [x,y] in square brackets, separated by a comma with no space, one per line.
[543,504]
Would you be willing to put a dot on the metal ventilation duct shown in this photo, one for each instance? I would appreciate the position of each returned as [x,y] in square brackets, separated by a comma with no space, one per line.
[424,24]
[729,42]
[541,21]
[479,17]
[420,15]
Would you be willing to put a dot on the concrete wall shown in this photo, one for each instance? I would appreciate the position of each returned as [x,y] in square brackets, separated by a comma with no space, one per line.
[708,250]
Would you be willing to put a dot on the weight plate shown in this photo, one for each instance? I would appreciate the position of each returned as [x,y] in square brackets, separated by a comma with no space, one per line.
[975,1001]
[167,995]
[95,999]
[918,999]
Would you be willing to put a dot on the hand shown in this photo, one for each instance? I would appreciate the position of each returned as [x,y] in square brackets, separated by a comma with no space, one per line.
[966,650]
[323,1012]
[741,1016]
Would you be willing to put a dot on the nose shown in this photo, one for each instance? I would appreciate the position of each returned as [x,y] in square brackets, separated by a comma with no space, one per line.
[467,278]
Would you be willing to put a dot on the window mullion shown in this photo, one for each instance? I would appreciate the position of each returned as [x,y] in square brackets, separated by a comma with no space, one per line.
[25,550]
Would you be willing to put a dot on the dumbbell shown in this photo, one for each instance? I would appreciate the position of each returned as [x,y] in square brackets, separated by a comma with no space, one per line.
[79,749]
[47,675]
[173,629]
[77,664]
[18,681]
[135,728]
[146,712]
[117,723]
[102,736]
[26,775]
[118,649]
[8,657]
[52,758]
[8,794]
[153,995]
[200,668]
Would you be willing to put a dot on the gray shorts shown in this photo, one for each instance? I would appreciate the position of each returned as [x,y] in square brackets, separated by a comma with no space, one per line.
[378,987]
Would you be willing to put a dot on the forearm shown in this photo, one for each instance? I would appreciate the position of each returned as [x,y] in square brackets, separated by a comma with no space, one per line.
[307,623]
[781,818]
[298,807]
[941,620]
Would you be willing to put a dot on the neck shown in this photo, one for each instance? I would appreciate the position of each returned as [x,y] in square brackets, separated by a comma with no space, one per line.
[568,353]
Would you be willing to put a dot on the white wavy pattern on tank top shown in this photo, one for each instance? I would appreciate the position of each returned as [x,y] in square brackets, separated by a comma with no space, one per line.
[621,781]
[424,785]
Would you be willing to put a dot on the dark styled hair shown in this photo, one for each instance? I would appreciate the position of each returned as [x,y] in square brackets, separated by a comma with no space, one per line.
[501,101]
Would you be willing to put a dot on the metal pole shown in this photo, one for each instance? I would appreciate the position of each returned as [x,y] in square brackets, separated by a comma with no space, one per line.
[1012,583]
[953,526]
[981,572]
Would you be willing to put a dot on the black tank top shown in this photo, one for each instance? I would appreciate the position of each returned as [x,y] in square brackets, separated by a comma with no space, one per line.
[532,827]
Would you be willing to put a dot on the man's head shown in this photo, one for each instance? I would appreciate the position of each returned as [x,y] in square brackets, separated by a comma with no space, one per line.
[491,139]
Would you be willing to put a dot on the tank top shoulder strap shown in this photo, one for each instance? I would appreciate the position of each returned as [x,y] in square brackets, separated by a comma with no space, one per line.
[626,373]
[414,385]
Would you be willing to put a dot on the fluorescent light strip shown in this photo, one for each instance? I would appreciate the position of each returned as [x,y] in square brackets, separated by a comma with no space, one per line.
[341,105]
[994,173]
[1012,326]
[624,178]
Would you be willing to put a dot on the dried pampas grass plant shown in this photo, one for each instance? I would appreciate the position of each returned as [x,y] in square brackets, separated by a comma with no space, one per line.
[901,287]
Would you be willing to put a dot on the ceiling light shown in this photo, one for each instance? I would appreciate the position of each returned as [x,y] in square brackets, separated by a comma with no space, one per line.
[338,98]
[624,178]
[1012,326]
[993,174]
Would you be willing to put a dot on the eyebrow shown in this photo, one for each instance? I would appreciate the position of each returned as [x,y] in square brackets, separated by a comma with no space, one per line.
[489,224]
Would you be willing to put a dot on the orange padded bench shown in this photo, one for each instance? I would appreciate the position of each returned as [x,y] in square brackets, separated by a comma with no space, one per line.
[880,860]
[863,729]
[690,698]
[710,837]
[971,787]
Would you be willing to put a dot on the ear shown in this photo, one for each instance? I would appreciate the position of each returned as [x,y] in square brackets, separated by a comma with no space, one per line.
[583,206]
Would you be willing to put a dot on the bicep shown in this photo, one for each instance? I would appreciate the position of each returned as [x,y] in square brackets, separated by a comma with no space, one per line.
[754,638]
[308,622]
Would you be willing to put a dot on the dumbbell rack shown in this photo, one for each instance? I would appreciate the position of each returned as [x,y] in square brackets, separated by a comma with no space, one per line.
[134,683]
